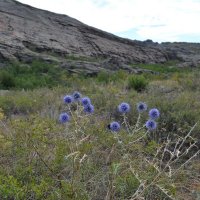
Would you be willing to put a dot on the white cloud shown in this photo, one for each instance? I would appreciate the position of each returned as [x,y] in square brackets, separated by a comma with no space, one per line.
[177,17]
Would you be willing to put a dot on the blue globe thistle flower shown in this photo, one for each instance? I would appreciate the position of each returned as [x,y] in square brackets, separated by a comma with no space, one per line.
[124,108]
[76,95]
[85,101]
[64,117]
[89,108]
[141,107]
[68,99]
[114,126]
[151,125]
[154,113]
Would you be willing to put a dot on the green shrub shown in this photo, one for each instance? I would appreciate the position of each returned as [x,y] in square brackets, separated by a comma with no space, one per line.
[126,184]
[119,76]
[10,188]
[7,80]
[103,77]
[137,83]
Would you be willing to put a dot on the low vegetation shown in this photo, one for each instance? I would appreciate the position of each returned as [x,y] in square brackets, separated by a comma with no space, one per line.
[168,67]
[84,158]
[138,83]
[35,75]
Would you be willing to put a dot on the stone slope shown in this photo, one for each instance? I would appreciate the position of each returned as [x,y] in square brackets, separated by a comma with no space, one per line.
[28,33]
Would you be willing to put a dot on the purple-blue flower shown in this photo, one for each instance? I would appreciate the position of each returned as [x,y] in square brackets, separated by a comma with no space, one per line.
[68,99]
[141,107]
[151,125]
[114,126]
[88,108]
[124,107]
[85,101]
[76,95]
[64,117]
[154,113]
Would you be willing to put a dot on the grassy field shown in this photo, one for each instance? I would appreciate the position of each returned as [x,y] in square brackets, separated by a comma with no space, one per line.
[41,158]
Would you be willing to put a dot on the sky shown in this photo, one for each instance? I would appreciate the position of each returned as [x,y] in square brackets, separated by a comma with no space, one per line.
[158,20]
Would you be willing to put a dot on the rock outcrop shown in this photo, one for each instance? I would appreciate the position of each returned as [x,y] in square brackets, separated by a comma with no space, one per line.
[27,33]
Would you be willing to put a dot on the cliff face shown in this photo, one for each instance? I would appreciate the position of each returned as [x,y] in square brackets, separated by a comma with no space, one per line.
[27,33]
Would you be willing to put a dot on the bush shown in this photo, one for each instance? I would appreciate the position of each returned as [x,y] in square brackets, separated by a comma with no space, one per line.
[137,83]
[7,80]
[10,188]
[103,77]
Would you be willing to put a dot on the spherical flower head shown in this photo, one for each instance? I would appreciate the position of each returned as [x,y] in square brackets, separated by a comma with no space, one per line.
[64,117]
[85,101]
[76,96]
[88,108]
[141,107]
[151,125]
[114,126]
[154,113]
[68,99]
[124,108]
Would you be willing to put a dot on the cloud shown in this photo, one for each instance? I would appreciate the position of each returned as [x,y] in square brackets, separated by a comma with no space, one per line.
[100,3]
[160,20]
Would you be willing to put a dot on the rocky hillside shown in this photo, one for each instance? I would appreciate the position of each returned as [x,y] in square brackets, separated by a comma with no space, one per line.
[27,33]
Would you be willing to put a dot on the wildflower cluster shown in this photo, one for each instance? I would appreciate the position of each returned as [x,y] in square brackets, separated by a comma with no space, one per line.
[124,108]
[77,98]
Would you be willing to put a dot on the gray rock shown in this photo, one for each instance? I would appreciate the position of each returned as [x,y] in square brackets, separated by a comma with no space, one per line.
[27,33]
[188,54]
